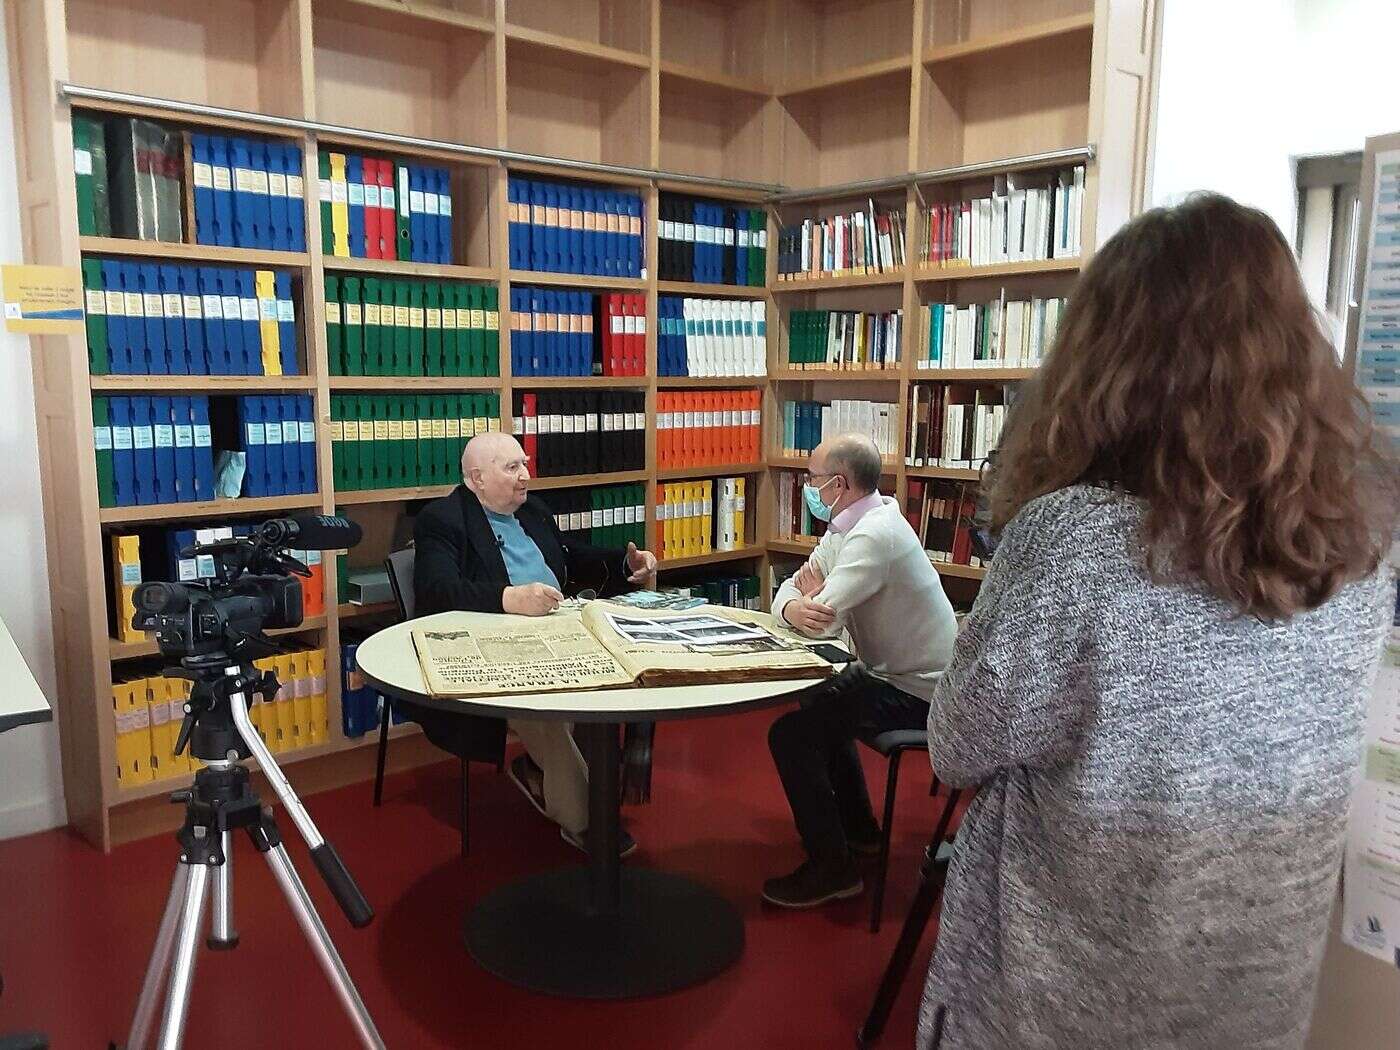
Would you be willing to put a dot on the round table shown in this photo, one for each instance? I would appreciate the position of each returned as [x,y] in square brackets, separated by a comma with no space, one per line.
[600,931]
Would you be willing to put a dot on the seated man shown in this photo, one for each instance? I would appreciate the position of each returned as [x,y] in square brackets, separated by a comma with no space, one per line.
[492,547]
[870,577]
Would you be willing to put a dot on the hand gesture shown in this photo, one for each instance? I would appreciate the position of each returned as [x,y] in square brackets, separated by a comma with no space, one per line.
[808,616]
[641,567]
[533,599]
[809,579]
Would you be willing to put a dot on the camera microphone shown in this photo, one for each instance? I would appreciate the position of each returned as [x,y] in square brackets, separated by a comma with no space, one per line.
[320,532]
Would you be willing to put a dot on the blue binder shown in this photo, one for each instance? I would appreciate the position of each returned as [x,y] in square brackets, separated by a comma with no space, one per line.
[537,248]
[306,441]
[634,241]
[184,448]
[518,355]
[538,348]
[355,202]
[417,215]
[143,445]
[224,230]
[588,244]
[211,304]
[549,191]
[204,224]
[163,434]
[250,423]
[251,362]
[546,309]
[570,204]
[613,252]
[296,196]
[118,345]
[444,191]
[572,306]
[432,210]
[274,460]
[284,410]
[173,309]
[245,208]
[354,717]
[286,322]
[203,448]
[123,452]
[270,156]
[518,237]
[178,569]
[192,307]
[157,358]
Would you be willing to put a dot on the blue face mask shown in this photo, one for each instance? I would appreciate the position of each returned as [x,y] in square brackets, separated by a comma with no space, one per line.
[812,496]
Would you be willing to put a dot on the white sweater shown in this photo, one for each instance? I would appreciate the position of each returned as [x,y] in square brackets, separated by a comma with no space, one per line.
[887,597]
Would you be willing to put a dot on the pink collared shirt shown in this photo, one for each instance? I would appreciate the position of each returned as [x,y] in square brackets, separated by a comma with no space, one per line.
[846,520]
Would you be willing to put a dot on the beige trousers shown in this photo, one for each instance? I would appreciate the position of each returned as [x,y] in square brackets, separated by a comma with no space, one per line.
[552,747]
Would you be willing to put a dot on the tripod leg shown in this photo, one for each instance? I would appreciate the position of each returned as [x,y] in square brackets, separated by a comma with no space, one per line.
[177,1000]
[159,965]
[222,936]
[269,843]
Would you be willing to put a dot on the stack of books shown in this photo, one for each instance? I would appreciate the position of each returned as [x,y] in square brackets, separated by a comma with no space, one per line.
[563,227]
[710,337]
[695,518]
[1003,333]
[1028,217]
[844,339]
[563,333]
[711,242]
[385,327]
[953,427]
[806,424]
[606,516]
[941,513]
[402,441]
[862,242]
[704,427]
[571,432]
[374,208]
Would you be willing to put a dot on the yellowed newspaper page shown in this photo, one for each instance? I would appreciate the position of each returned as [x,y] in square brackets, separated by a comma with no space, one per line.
[541,654]
[706,644]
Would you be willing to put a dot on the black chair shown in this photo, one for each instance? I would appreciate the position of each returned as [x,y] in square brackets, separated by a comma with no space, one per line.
[892,746]
[448,731]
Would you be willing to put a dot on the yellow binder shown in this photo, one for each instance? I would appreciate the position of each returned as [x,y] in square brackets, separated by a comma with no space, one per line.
[739,533]
[286,708]
[316,667]
[340,206]
[707,516]
[267,322]
[133,733]
[301,697]
[126,577]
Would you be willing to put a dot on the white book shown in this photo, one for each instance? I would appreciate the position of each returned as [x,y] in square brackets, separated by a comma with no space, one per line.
[759,310]
[1016,226]
[1076,211]
[997,252]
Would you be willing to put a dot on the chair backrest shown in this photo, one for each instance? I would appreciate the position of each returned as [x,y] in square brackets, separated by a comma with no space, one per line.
[399,565]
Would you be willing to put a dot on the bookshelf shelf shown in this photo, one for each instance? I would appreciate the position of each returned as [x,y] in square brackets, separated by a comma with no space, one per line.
[429,12]
[354,496]
[708,382]
[415,382]
[340,264]
[946,473]
[574,481]
[850,280]
[206,509]
[992,43]
[577,280]
[580,382]
[966,572]
[349,611]
[970,375]
[194,253]
[723,469]
[583,55]
[711,291]
[201,383]
[886,67]
[838,375]
[792,547]
[687,74]
[888,467]
[713,558]
[1015,269]
[134,650]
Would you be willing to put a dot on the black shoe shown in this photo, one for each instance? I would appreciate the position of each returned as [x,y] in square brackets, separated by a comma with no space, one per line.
[529,778]
[865,848]
[813,884]
[626,844]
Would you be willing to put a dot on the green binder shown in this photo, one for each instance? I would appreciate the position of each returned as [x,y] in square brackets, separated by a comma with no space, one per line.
[432,330]
[373,327]
[393,408]
[337,444]
[451,346]
[82,174]
[352,320]
[96,317]
[335,336]
[399,362]
[101,195]
[473,350]
[323,169]
[379,413]
[409,412]
[423,409]
[492,358]
[417,331]
[450,449]
[366,477]
[102,442]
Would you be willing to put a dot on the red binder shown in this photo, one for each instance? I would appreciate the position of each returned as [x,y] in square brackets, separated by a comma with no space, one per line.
[388,220]
[531,442]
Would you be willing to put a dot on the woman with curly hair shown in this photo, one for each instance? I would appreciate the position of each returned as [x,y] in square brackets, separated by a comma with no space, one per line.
[1161,689]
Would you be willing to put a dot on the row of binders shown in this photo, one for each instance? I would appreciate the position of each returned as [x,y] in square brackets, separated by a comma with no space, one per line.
[867,241]
[941,513]
[711,337]
[560,227]
[952,427]
[389,441]
[844,339]
[711,243]
[360,703]
[278,444]
[248,193]
[737,592]
[169,319]
[607,516]
[373,208]
[152,450]
[129,175]
[695,518]
[806,424]
[1027,218]
[384,327]
[567,333]
[707,427]
[572,432]
[1000,334]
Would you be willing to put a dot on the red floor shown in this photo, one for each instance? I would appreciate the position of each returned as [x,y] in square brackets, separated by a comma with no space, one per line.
[76,926]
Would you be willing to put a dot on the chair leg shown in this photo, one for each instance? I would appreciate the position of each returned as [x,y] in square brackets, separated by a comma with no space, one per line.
[466,801]
[877,899]
[383,752]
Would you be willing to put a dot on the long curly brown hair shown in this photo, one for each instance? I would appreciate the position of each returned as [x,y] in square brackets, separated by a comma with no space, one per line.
[1191,370]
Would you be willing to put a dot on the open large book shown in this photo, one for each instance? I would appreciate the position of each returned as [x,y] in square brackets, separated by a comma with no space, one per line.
[608,646]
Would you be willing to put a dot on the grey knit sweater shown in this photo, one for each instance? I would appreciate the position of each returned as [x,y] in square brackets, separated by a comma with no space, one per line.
[1151,856]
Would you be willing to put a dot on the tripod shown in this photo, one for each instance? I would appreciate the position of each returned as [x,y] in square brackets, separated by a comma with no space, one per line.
[221,801]
[932,874]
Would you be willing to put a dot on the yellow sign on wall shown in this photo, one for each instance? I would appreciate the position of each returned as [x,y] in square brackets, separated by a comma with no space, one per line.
[43,300]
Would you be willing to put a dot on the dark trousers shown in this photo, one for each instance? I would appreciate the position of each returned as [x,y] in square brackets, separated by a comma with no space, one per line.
[814,749]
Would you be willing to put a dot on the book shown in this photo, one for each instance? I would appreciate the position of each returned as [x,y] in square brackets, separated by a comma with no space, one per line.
[606,646]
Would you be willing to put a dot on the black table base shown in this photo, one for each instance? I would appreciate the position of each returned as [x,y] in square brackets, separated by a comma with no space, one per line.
[604,931]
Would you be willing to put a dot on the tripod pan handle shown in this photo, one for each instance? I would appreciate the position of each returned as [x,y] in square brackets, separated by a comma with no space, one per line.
[352,902]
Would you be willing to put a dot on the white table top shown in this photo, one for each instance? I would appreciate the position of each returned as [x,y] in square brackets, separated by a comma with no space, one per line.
[390,663]
[21,699]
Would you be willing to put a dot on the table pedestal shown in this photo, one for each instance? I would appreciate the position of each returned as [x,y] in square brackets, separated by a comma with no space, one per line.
[604,932]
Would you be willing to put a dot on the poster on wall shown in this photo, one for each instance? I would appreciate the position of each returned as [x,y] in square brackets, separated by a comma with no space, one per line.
[43,300]
[1371,892]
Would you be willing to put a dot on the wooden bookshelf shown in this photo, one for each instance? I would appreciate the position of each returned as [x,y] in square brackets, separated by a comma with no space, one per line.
[970,375]
[964,572]
[133,650]
[838,375]
[722,470]
[676,95]
[713,558]
[946,473]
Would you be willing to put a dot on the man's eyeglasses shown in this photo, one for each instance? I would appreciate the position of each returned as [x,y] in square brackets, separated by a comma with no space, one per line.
[809,478]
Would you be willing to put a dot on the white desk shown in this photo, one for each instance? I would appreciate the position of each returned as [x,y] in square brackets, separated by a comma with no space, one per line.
[21,700]
[604,931]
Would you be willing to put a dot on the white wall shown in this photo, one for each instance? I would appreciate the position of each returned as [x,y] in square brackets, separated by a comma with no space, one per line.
[1245,87]
[31,788]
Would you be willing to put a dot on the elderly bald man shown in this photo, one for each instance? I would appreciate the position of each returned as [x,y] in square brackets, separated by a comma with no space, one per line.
[492,547]
[870,579]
